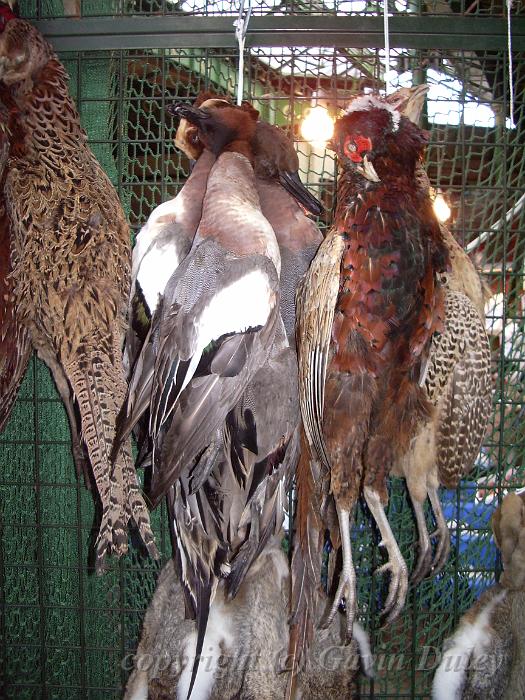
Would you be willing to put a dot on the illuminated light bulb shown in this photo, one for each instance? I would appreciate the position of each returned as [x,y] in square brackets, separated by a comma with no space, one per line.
[441,208]
[318,126]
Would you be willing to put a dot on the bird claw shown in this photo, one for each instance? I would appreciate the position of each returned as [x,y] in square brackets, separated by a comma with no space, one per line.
[346,591]
[423,564]
[442,551]
[398,588]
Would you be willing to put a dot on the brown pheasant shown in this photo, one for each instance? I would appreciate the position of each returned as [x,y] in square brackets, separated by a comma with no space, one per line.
[366,314]
[457,382]
[71,266]
[15,344]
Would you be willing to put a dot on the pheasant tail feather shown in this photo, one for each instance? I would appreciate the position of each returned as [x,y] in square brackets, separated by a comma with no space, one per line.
[100,391]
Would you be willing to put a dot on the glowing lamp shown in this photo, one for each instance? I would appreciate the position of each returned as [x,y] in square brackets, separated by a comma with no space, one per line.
[441,208]
[317,126]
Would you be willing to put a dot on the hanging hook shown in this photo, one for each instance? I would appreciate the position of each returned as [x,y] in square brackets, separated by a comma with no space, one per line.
[241,27]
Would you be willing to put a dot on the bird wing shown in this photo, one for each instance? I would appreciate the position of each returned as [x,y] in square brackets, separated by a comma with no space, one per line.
[459,384]
[316,300]
[215,330]
[161,245]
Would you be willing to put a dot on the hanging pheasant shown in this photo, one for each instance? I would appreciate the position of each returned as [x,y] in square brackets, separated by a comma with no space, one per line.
[71,259]
[368,308]
[15,344]
[458,384]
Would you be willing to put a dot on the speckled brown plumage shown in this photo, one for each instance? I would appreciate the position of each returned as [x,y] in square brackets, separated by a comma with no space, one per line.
[457,383]
[15,344]
[71,260]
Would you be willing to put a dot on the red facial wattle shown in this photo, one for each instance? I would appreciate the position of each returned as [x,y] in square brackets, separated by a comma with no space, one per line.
[356,147]
[5,15]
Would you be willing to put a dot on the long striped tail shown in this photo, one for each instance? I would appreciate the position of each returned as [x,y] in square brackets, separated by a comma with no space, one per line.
[99,389]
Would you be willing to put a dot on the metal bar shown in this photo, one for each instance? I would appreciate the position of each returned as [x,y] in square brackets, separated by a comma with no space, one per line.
[451,32]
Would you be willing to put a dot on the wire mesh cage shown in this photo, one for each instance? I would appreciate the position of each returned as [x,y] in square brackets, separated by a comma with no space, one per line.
[66,633]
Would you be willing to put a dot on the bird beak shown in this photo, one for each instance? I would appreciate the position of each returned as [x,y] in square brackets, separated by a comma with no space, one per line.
[185,111]
[416,100]
[368,170]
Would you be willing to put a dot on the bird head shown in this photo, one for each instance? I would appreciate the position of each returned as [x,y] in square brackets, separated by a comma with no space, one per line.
[409,101]
[220,127]
[23,50]
[187,135]
[375,141]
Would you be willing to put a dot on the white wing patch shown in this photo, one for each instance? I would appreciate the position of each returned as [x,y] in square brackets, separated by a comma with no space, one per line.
[154,262]
[155,270]
[245,303]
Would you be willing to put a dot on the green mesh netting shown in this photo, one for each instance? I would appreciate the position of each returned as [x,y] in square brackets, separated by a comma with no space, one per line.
[65,633]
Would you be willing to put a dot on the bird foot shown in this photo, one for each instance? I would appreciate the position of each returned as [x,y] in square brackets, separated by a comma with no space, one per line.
[423,563]
[346,592]
[442,550]
[398,587]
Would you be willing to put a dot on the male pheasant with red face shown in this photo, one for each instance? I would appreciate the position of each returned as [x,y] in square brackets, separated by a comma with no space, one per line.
[71,258]
[367,311]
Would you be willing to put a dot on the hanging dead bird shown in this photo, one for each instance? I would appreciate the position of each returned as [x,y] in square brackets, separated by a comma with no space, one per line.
[161,245]
[71,259]
[366,314]
[462,275]
[276,168]
[15,343]
[458,384]
[215,360]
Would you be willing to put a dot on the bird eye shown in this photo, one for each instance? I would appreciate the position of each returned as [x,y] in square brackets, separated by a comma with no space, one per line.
[356,146]
[350,150]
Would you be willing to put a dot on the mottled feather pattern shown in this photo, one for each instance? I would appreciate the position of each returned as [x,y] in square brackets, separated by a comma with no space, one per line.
[459,383]
[71,270]
[15,343]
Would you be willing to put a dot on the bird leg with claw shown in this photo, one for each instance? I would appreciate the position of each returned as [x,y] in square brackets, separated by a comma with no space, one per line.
[424,558]
[441,533]
[396,564]
[347,578]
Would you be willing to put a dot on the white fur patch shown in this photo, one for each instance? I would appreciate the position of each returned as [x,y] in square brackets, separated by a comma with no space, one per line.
[139,687]
[217,633]
[363,103]
[470,638]
[365,652]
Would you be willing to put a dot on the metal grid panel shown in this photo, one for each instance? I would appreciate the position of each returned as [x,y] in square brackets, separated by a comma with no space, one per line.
[66,633]
[217,8]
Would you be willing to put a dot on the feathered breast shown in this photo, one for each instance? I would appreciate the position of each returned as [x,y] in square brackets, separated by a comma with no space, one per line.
[389,301]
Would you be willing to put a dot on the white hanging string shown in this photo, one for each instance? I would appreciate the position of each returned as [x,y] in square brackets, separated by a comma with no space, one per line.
[386,32]
[241,27]
[509,47]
